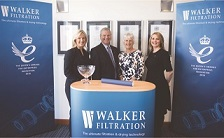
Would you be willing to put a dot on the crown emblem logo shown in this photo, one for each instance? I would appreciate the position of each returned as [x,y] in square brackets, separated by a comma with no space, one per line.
[27,39]
[204,40]
[126,28]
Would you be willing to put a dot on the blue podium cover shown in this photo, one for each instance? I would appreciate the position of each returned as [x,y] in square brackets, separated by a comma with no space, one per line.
[112,113]
[198,102]
[26,74]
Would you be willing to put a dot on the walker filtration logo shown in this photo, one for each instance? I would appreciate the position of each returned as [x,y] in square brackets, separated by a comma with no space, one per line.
[20,15]
[202,57]
[202,14]
[20,12]
[87,118]
[114,120]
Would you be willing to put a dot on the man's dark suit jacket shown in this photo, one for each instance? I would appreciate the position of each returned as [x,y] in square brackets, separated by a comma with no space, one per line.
[103,65]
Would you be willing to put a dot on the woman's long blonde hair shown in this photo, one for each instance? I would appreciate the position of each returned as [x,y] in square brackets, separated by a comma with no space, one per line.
[161,38]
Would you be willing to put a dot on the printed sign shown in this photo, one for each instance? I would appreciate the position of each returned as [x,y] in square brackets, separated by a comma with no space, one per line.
[198,102]
[112,114]
[26,61]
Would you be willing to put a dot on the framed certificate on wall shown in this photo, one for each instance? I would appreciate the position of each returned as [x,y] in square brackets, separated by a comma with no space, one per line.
[66,31]
[133,27]
[165,28]
[93,32]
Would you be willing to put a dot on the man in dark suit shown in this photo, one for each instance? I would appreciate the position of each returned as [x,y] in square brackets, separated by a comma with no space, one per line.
[105,57]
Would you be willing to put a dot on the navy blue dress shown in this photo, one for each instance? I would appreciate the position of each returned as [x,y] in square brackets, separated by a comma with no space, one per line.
[73,57]
[156,64]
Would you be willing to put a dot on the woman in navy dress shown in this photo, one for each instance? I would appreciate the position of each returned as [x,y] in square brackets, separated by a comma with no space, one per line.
[75,56]
[158,62]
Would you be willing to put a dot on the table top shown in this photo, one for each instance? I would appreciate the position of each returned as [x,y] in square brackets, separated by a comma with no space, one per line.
[96,85]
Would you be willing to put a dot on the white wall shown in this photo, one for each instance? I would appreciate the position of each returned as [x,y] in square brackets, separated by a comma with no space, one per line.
[102,10]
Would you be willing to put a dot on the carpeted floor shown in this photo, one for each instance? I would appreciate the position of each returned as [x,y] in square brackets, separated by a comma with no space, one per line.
[63,131]
[60,131]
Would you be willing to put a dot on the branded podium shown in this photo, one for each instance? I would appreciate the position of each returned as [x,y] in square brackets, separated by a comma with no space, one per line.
[108,110]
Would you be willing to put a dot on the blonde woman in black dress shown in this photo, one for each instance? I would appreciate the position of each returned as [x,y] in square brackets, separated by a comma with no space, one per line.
[157,62]
[75,56]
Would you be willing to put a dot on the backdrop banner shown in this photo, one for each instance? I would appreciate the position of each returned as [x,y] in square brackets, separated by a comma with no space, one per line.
[26,61]
[198,102]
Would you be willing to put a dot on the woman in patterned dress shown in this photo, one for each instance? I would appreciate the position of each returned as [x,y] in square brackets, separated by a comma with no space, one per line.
[131,60]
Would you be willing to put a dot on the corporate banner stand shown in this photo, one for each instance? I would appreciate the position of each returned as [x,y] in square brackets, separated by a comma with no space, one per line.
[198,102]
[26,73]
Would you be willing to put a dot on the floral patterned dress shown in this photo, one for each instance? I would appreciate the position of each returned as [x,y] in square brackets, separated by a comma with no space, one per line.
[131,65]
